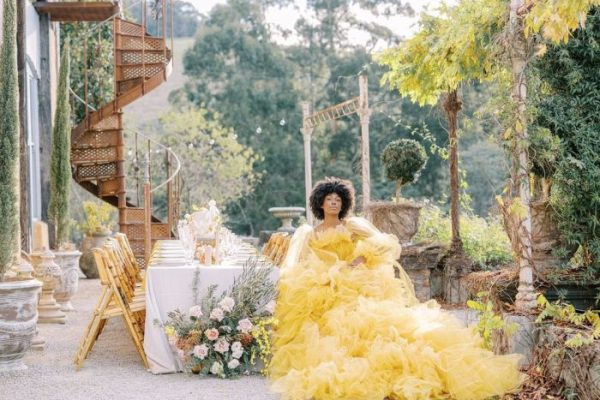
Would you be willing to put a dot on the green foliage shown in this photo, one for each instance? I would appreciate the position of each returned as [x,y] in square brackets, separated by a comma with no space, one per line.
[484,240]
[99,217]
[97,44]
[449,49]
[60,166]
[544,152]
[488,321]
[586,323]
[214,163]
[403,160]
[9,140]
[186,18]
[569,109]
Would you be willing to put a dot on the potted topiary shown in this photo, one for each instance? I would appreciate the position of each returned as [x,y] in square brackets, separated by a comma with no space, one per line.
[403,160]
[67,256]
[99,218]
[18,291]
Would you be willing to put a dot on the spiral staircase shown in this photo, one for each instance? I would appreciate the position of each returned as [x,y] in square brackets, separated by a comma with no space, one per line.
[141,63]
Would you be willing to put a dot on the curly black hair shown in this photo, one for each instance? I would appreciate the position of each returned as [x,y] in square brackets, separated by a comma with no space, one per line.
[341,187]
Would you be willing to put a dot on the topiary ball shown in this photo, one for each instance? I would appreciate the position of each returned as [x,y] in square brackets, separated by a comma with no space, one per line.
[403,160]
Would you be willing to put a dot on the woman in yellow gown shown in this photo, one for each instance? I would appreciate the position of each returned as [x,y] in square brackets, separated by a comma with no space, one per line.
[348,329]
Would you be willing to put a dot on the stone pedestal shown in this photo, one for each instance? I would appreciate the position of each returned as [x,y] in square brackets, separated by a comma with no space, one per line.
[420,262]
[68,261]
[47,271]
[523,341]
[38,342]
[456,267]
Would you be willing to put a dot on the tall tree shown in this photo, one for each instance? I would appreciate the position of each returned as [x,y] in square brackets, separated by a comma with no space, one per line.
[434,63]
[9,144]
[60,184]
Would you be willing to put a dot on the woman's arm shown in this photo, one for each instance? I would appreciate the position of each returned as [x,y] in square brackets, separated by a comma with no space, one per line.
[372,246]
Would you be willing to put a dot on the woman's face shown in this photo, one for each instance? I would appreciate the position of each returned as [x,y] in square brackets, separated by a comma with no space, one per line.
[332,204]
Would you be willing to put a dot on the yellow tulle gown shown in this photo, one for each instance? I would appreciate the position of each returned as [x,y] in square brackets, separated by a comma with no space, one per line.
[358,333]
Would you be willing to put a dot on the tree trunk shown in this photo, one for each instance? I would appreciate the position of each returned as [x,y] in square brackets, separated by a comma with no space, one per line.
[518,51]
[398,188]
[452,106]
[23,142]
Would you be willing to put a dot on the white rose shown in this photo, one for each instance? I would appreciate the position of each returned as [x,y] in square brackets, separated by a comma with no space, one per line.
[245,325]
[237,353]
[216,368]
[227,304]
[195,311]
[201,351]
[233,364]
[222,346]
[217,314]
[270,307]
[236,346]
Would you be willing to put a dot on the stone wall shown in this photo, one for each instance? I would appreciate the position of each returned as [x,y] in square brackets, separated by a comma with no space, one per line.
[420,262]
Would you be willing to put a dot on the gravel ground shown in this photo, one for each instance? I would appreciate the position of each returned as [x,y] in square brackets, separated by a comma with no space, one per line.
[113,370]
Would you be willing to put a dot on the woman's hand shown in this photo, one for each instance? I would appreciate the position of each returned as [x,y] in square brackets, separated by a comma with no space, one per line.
[357,261]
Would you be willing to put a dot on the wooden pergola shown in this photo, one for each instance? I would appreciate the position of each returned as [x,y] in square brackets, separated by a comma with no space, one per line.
[78,11]
[358,105]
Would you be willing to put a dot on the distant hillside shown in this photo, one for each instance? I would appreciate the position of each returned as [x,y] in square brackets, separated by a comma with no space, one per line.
[148,109]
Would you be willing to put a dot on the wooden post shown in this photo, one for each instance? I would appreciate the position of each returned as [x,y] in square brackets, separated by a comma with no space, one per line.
[365,113]
[170,199]
[147,213]
[306,133]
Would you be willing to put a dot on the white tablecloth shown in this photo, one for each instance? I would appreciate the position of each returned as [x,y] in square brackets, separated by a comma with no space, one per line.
[169,286]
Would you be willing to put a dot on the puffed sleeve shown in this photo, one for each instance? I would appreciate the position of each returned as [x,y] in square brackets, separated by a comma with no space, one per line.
[298,247]
[375,246]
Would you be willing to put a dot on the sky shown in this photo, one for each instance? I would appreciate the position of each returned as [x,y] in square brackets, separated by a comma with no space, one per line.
[286,17]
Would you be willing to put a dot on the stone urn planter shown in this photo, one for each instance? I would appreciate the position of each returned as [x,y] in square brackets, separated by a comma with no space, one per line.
[18,320]
[400,219]
[68,261]
[545,237]
[286,215]
[87,264]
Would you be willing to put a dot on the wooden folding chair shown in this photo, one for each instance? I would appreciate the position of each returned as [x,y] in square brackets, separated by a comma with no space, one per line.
[133,291]
[110,304]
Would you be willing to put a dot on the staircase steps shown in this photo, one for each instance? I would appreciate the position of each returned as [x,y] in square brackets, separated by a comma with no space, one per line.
[141,64]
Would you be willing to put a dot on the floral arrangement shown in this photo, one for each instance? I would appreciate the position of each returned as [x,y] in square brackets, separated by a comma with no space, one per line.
[226,335]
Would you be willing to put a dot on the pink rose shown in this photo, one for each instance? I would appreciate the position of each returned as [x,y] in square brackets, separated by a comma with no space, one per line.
[173,340]
[245,325]
[217,314]
[227,304]
[180,354]
[201,351]
[196,311]
[211,334]
[270,307]
[237,353]
[222,346]
[233,364]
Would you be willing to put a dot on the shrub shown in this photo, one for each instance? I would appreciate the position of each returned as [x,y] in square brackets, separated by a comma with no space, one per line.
[484,240]
[403,160]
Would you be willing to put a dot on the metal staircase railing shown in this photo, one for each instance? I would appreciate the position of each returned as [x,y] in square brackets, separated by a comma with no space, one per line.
[140,62]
